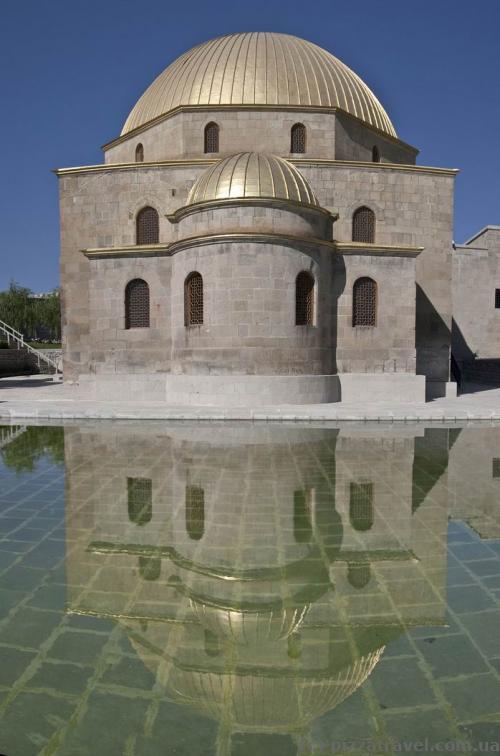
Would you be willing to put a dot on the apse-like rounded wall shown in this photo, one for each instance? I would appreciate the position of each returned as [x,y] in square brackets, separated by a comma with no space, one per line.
[249,328]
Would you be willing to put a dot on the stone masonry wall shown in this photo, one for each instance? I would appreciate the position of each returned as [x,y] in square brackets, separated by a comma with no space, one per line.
[476,275]
[182,136]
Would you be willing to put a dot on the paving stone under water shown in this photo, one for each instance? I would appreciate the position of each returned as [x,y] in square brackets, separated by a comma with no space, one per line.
[242,589]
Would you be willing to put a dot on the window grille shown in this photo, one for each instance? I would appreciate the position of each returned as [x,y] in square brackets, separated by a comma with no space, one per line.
[364,302]
[497,299]
[363,225]
[137,304]
[375,155]
[148,226]
[195,512]
[304,299]
[193,300]
[496,468]
[139,154]
[211,137]
[140,500]
[361,513]
[298,138]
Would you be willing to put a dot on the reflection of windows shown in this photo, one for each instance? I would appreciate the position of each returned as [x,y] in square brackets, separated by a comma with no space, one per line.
[294,646]
[212,645]
[140,500]
[358,575]
[195,512]
[302,527]
[149,567]
[496,468]
[361,505]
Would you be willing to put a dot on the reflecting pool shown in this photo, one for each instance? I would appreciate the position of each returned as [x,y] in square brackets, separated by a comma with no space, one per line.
[244,589]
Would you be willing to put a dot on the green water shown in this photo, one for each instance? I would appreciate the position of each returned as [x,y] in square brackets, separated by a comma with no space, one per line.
[234,589]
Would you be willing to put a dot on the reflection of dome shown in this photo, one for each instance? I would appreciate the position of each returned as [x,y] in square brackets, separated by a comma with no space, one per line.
[268,699]
[249,627]
[249,175]
[259,68]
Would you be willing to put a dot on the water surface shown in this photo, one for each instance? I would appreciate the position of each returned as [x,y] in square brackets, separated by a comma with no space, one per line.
[249,589]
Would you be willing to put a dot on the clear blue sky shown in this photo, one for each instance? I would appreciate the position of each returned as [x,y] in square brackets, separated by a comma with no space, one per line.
[71,70]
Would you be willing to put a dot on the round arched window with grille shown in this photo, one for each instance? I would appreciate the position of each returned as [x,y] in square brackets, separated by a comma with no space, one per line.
[147,226]
[361,512]
[137,304]
[298,138]
[211,137]
[193,300]
[363,225]
[304,299]
[364,302]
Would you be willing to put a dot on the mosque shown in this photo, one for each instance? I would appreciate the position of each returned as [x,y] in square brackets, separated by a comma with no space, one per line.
[258,234]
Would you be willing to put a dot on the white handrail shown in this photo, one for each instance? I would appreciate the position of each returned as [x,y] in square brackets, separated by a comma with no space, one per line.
[18,337]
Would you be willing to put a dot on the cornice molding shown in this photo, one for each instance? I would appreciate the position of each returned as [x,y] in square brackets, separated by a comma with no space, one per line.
[382,250]
[203,162]
[276,202]
[171,248]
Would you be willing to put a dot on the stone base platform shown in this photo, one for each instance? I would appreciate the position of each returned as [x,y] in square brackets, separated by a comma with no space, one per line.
[252,390]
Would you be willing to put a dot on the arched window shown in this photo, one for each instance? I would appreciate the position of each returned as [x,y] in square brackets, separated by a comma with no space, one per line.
[137,304]
[363,225]
[193,300]
[147,226]
[361,513]
[302,525]
[195,512]
[140,500]
[139,154]
[298,138]
[364,302]
[375,154]
[211,137]
[304,299]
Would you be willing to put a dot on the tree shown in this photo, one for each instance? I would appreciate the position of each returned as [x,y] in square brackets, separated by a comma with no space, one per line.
[15,307]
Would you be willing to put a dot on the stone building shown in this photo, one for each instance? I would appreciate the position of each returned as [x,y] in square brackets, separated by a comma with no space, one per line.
[258,233]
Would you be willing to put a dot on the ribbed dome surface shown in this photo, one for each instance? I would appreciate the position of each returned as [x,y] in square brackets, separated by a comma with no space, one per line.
[259,68]
[252,174]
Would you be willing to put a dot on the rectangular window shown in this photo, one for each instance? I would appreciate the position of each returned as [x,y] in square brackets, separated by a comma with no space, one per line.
[496,468]
[497,299]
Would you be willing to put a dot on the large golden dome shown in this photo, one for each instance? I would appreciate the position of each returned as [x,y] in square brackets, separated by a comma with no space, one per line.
[259,68]
[252,174]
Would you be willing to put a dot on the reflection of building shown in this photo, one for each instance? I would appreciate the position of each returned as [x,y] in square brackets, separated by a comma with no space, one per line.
[474,480]
[259,571]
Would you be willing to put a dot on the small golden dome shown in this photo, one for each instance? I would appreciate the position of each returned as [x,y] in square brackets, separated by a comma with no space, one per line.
[259,68]
[249,175]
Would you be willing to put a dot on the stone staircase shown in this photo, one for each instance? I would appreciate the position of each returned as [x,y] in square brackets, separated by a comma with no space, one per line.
[27,359]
